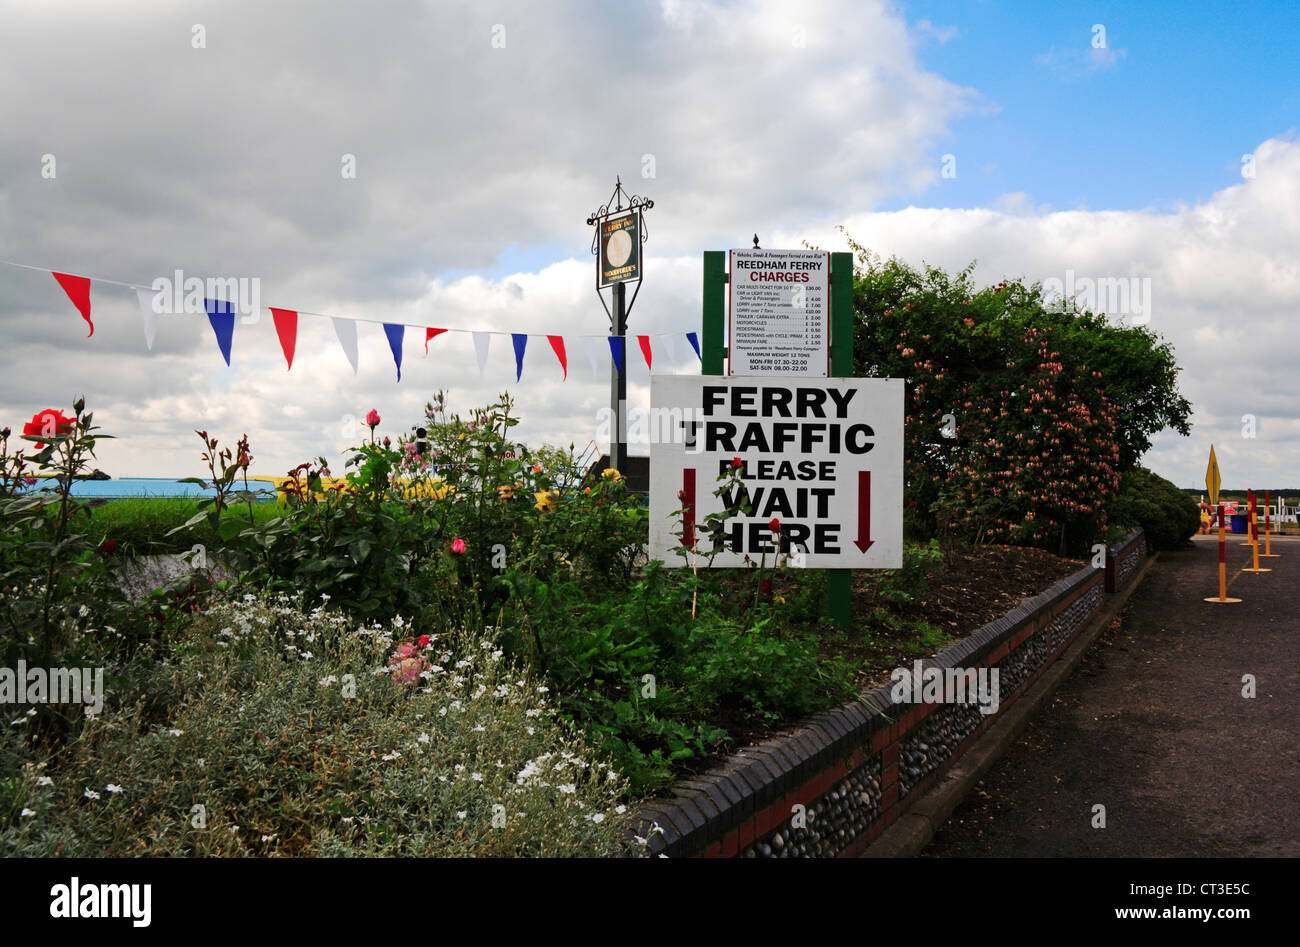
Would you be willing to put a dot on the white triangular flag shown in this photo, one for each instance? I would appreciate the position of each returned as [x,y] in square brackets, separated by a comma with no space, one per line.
[146,297]
[592,348]
[667,341]
[346,330]
[481,341]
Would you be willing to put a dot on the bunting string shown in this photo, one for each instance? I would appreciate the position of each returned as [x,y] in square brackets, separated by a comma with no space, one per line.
[221,318]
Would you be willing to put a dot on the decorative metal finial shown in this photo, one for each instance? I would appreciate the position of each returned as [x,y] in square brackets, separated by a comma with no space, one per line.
[756,246]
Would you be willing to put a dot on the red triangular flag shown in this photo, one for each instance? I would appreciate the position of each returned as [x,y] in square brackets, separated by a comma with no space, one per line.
[644,341]
[557,343]
[286,327]
[78,290]
[429,336]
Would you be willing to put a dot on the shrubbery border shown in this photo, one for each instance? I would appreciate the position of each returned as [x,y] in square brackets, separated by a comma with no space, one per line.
[857,768]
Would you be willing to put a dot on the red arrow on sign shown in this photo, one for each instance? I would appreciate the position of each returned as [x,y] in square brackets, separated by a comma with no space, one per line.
[688,508]
[864,540]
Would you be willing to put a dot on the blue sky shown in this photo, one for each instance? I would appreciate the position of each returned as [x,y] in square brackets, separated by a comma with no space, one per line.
[1190,87]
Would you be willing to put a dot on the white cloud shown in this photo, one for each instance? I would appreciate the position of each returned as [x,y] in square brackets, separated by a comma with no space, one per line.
[226,161]
[942,33]
[1225,288]
[1077,62]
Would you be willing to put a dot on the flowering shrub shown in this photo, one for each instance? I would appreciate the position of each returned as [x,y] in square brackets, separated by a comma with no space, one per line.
[460,527]
[54,581]
[1020,415]
[282,731]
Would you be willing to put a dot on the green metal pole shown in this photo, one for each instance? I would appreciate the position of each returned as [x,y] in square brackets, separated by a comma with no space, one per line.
[715,311]
[839,581]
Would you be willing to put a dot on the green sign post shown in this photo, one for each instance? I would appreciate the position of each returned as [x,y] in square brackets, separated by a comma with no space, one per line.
[714,352]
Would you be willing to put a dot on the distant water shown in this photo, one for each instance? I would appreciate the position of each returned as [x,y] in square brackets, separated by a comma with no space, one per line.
[138,487]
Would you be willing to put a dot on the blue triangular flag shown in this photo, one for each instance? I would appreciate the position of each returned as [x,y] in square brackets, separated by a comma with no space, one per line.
[520,340]
[395,334]
[694,339]
[616,350]
[222,316]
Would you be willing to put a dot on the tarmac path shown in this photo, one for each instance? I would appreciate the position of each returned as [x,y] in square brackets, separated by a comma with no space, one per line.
[1154,726]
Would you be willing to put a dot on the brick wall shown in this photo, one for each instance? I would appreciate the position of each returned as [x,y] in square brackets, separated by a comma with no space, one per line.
[831,785]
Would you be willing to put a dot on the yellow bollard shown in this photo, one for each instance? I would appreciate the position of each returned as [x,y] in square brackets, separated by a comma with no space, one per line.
[1223,567]
[1254,535]
[1268,537]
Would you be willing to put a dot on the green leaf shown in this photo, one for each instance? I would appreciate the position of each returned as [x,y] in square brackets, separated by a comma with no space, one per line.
[193,521]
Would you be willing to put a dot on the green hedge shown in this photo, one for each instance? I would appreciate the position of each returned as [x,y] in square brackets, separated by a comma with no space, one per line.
[1166,514]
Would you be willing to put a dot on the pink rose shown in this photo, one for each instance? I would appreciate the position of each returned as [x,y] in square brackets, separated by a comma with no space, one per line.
[457,546]
[372,419]
[407,670]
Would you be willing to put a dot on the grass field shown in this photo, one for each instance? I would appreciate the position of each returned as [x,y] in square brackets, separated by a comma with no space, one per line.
[139,525]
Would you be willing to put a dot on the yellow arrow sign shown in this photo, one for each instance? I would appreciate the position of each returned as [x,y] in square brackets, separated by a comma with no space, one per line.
[1212,478]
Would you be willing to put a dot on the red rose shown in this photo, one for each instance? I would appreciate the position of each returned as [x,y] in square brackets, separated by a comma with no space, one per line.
[372,419]
[109,546]
[423,641]
[47,422]
[774,525]
[766,586]
[735,462]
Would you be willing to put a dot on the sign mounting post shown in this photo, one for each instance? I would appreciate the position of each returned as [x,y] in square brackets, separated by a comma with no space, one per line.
[616,243]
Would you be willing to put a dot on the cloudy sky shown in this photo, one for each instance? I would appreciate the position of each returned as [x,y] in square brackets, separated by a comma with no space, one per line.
[146,136]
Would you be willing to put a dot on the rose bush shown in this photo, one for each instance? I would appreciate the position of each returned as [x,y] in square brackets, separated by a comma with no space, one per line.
[1021,414]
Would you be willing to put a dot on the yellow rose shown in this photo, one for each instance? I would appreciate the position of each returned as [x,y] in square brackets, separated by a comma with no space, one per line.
[545,501]
[611,474]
